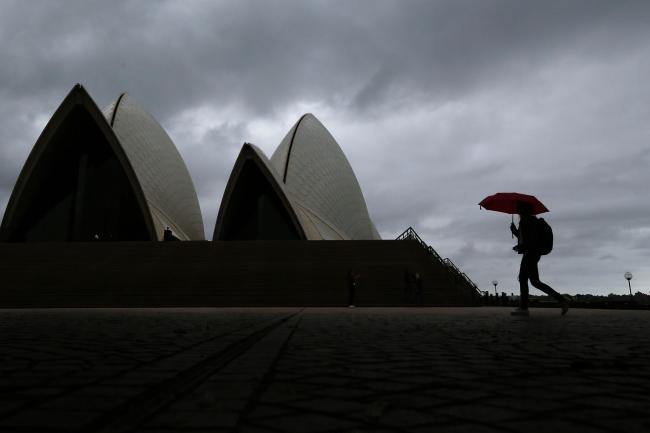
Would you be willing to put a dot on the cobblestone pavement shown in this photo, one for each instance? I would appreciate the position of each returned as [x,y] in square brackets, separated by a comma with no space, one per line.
[324,370]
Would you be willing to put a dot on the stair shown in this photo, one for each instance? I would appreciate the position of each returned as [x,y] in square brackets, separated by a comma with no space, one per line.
[461,281]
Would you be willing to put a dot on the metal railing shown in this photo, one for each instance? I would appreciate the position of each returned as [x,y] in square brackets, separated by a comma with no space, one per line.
[462,275]
[411,235]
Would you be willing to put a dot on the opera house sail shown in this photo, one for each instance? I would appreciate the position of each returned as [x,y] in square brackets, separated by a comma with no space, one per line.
[102,176]
[312,192]
[254,205]
[163,176]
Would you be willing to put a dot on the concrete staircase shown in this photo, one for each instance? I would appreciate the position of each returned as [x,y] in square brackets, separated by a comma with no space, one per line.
[462,282]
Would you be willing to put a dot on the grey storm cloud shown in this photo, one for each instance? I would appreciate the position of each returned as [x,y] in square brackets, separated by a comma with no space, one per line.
[266,54]
[436,104]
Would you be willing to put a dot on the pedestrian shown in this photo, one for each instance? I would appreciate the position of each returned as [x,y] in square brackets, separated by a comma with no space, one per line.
[528,246]
[418,287]
[353,283]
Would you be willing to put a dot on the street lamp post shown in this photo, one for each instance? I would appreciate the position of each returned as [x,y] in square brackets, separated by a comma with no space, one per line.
[628,277]
[494,283]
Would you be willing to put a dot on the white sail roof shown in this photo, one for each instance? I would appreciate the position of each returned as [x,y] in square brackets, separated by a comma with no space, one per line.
[161,171]
[320,182]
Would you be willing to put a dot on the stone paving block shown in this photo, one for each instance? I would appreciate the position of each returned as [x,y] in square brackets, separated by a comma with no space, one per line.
[82,400]
[49,419]
[627,424]
[409,418]
[531,404]
[255,429]
[331,405]
[418,379]
[209,401]
[197,419]
[184,430]
[593,415]
[463,376]
[7,406]
[477,412]
[114,390]
[269,411]
[387,385]
[232,388]
[38,392]
[551,425]
[142,375]
[370,428]
[25,378]
[300,423]
[456,394]
[328,380]
[461,428]
[639,402]
[539,390]
[414,400]
[288,392]
[70,381]
[341,392]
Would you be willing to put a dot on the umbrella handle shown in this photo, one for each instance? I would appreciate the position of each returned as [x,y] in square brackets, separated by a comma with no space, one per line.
[512,221]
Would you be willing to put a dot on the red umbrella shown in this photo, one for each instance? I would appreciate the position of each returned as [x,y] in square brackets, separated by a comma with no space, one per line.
[506,202]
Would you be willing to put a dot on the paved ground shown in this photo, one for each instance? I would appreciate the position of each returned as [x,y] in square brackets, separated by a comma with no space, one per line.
[324,370]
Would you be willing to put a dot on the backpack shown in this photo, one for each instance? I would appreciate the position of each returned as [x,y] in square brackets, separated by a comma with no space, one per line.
[544,237]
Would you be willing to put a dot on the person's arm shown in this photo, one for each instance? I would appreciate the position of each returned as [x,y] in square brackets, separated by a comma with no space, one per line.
[514,230]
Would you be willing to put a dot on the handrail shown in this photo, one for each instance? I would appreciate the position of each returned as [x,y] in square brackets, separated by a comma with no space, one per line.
[410,234]
[463,275]
[451,264]
[473,284]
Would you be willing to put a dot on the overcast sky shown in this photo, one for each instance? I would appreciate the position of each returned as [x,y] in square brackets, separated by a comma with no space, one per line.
[436,104]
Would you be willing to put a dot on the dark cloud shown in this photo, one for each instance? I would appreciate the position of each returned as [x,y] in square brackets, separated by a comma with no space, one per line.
[267,54]
[436,104]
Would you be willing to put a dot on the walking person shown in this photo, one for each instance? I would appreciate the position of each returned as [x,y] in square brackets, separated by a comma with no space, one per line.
[528,244]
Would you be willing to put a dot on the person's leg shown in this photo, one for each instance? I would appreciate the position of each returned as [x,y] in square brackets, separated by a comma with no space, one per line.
[524,274]
[534,280]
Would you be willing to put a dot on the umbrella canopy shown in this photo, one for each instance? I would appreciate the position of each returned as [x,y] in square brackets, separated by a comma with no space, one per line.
[506,202]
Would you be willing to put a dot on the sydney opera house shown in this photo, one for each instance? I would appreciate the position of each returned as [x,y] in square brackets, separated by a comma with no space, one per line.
[101,188]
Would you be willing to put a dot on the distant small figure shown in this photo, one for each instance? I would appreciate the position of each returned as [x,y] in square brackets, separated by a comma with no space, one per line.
[353,283]
[528,244]
[168,235]
[418,286]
